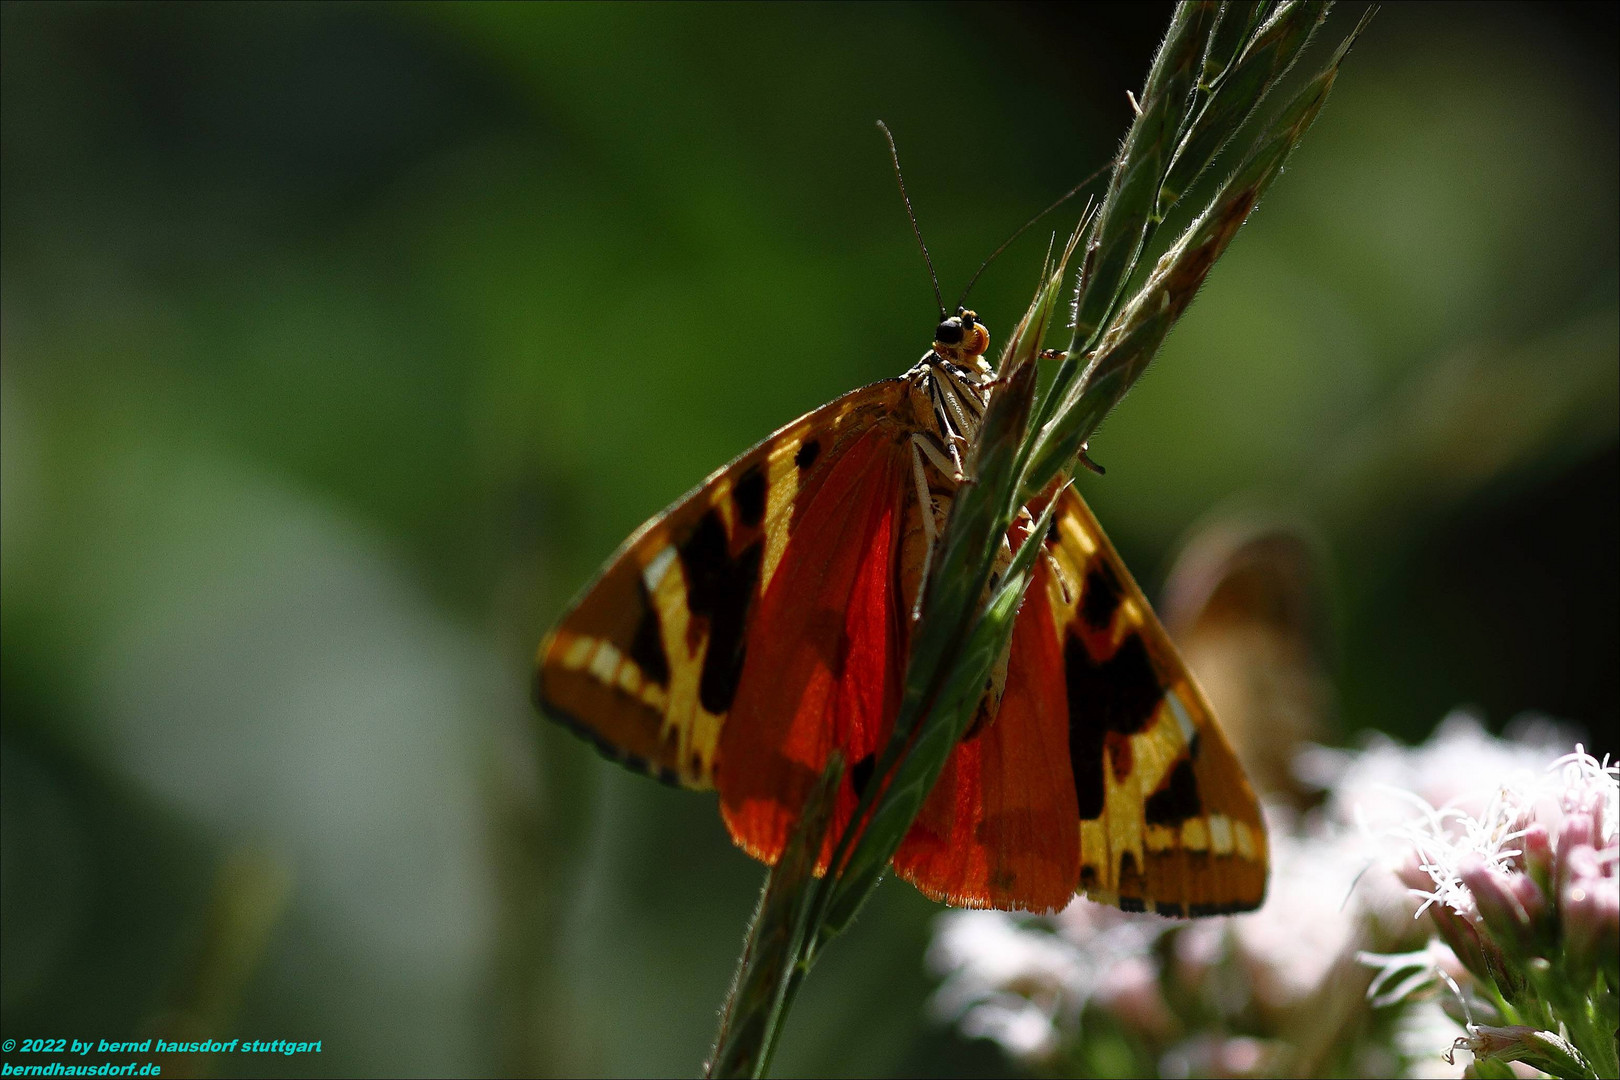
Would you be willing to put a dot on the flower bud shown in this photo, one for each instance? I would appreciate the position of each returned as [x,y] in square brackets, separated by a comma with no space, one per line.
[1413,876]
[1538,855]
[1530,897]
[1501,907]
[1544,1050]
[1577,832]
[1590,906]
[1458,933]
[1583,864]
[1485,1041]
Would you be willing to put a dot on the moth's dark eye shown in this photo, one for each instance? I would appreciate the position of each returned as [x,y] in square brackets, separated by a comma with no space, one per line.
[949,332]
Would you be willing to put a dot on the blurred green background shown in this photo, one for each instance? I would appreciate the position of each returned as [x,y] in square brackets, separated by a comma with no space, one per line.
[342,343]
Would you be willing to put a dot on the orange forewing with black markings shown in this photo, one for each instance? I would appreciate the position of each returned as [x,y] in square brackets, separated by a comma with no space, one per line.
[826,652]
[647,663]
[1163,818]
[739,637]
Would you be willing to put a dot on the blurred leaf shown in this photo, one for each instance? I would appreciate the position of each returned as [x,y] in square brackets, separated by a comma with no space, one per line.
[1245,605]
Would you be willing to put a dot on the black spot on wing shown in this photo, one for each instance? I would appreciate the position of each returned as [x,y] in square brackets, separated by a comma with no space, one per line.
[748,496]
[861,774]
[1053,537]
[720,589]
[1170,909]
[1101,596]
[1132,903]
[1177,798]
[808,452]
[647,646]
[706,559]
[1118,695]
[728,633]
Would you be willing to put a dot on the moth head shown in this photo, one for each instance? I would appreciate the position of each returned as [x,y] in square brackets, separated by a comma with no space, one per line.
[961,338]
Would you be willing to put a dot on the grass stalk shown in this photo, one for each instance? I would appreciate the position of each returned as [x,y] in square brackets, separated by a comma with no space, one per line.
[1215,65]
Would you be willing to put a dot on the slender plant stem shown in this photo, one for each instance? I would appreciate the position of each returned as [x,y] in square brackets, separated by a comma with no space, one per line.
[1216,63]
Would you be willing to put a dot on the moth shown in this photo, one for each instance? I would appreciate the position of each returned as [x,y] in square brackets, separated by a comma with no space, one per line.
[762,620]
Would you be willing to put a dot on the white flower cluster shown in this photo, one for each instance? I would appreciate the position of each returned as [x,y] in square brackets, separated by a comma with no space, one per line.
[1460,805]
[1490,825]
[1461,765]
[1520,879]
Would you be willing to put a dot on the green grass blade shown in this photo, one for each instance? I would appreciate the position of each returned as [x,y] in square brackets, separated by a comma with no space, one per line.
[751,1017]
[1233,29]
[1121,225]
[1135,336]
[1261,65]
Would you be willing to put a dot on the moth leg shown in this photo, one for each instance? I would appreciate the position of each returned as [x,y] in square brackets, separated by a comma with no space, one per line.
[953,404]
[1026,522]
[1056,567]
[951,468]
[1023,525]
[1088,463]
[967,400]
[951,441]
[925,504]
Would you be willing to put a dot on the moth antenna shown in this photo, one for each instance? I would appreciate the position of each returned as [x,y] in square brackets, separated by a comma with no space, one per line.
[894,154]
[1072,192]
